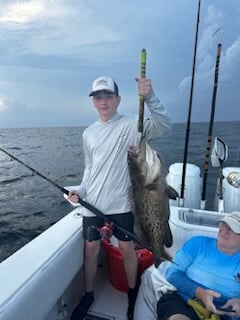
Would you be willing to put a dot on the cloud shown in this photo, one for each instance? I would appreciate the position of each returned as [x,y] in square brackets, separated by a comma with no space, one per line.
[22,12]
[210,35]
[3,106]
[30,12]
[51,51]
[54,28]
[231,63]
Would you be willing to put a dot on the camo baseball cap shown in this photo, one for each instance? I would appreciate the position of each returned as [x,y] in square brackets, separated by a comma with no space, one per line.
[104,83]
[233,221]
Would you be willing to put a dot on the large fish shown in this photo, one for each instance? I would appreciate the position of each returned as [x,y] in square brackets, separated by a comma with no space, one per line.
[150,198]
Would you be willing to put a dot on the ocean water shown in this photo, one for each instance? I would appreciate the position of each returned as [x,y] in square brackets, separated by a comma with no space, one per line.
[29,204]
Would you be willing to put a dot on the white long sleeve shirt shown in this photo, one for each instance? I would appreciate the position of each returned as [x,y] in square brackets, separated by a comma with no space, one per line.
[106,180]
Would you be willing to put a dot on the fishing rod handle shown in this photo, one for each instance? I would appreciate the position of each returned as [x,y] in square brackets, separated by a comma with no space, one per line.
[143,60]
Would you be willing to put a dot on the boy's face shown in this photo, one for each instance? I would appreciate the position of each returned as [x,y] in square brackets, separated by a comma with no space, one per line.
[106,104]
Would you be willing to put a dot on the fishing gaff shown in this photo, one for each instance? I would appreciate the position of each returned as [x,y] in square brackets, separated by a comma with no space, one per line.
[218,156]
[181,199]
[210,128]
[85,204]
[143,60]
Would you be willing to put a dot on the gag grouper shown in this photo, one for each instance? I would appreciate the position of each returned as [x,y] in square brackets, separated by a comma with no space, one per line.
[150,198]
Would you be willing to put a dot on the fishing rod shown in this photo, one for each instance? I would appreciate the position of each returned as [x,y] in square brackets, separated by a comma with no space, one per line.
[210,128]
[97,212]
[181,200]
[143,61]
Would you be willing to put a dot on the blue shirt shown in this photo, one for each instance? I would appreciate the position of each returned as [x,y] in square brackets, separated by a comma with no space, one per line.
[199,263]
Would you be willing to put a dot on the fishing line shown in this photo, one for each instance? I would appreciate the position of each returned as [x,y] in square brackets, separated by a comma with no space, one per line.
[97,212]
[217,31]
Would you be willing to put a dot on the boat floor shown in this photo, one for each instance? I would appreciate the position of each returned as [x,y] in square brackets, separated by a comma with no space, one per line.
[110,303]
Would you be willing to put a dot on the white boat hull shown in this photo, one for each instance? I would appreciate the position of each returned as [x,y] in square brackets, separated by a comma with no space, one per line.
[35,281]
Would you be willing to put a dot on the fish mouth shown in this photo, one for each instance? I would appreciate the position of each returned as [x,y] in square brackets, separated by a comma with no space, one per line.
[143,158]
[135,150]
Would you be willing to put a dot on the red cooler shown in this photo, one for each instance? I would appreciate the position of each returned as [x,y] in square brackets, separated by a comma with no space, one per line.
[116,270]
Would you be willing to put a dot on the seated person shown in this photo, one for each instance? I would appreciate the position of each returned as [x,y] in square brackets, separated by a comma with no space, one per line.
[153,286]
[205,269]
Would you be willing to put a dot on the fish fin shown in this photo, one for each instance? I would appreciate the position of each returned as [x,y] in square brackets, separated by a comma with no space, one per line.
[165,257]
[168,239]
[172,193]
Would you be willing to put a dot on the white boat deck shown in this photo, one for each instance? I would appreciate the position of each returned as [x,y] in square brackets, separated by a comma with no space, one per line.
[109,303]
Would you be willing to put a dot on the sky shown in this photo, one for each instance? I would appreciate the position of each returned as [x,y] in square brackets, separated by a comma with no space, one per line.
[52,50]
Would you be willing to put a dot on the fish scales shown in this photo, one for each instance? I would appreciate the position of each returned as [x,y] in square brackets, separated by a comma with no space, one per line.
[149,195]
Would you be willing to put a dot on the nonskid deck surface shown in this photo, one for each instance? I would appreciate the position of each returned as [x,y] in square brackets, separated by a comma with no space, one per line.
[110,303]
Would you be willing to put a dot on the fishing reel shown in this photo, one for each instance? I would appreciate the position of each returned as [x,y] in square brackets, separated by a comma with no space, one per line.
[105,231]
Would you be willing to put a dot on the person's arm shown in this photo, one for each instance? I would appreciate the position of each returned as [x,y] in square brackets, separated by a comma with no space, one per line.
[183,284]
[81,191]
[190,289]
[158,123]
